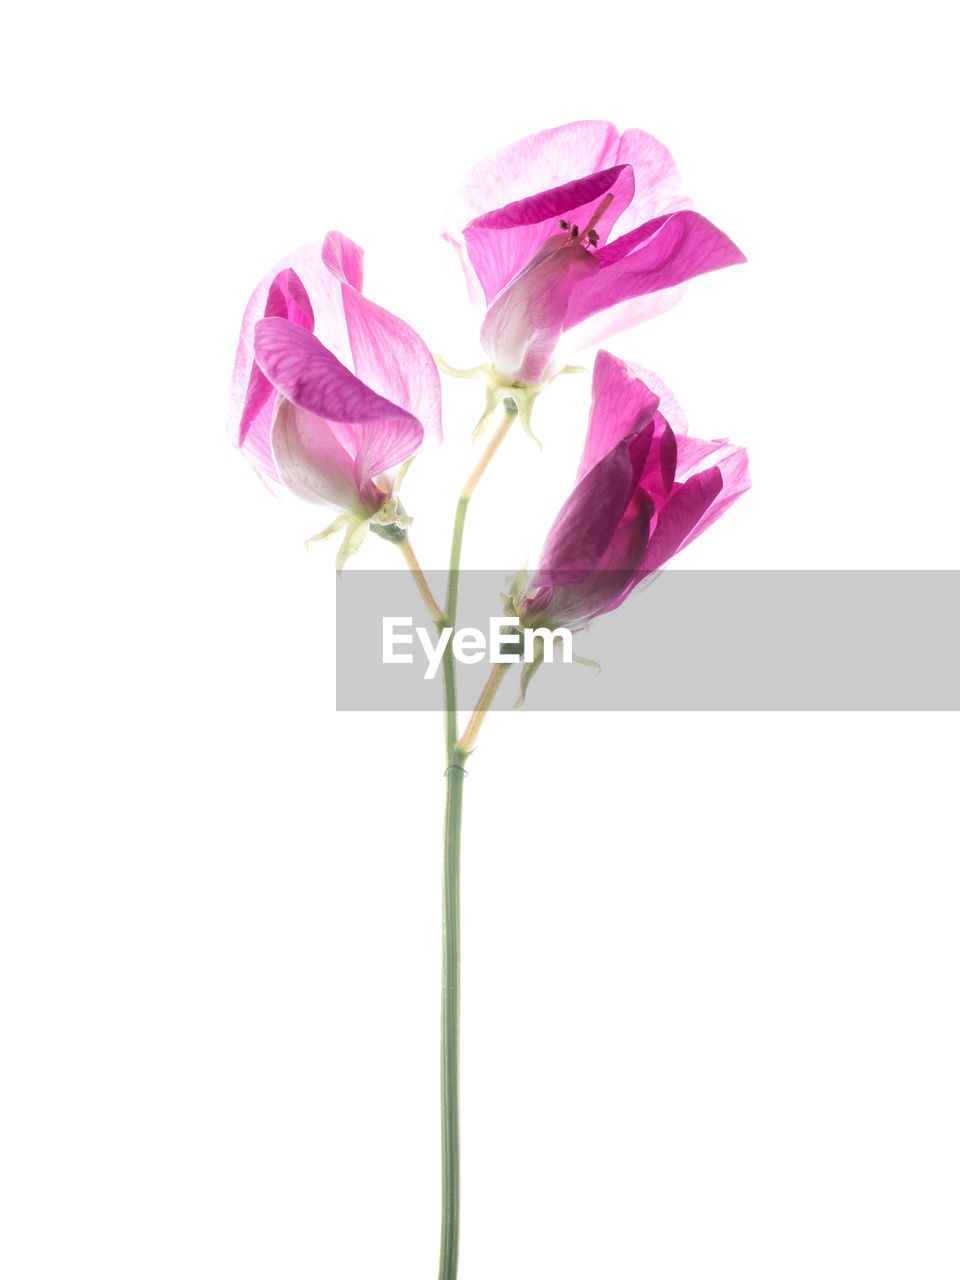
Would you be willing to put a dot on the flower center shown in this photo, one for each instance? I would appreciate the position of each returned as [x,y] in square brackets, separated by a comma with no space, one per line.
[588,234]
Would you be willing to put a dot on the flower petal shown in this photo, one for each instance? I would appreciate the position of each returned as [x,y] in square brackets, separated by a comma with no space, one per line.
[344,259]
[386,352]
[288,299]
[584,528]
[659,188]
[583,334]
[658,255]
[734,467]
[310,459]
[521,328]
[393,359]
[606,587]
[535,163]
[681,516]
[596,545]
[622,404]
[377,432]
[502,242]
[250,413]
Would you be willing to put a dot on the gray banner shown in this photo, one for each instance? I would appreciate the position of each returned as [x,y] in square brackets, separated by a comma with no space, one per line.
[794,640]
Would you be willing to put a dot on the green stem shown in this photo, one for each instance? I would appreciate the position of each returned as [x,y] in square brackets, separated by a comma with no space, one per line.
[450,1023]
[405,547]
[450,997]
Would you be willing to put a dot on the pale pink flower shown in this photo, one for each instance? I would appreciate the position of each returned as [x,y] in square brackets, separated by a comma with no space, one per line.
[330,392]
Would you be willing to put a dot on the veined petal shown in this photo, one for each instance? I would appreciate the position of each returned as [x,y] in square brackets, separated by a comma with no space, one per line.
[582,334]
[393,359]
[681,516]
[696,455]
[607,586]
[535,163]
[386,352]
[734,466]
[502,242]
[585,526]
[659,188]
[524,322]
[251,405]
[622,403]
[376,432]
[595,549]
[660,469]
[302,369]
[658,255]
[288,299]
[344,258]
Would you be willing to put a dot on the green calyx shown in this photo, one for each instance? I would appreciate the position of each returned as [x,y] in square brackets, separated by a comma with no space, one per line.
[513,397]
[390,522]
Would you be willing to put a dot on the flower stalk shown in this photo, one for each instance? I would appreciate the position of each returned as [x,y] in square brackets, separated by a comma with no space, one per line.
[450,996]
[426,595]
[468,739]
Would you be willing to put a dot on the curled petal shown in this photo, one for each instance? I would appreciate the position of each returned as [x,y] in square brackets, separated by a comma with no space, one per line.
[659,188]
[521,328]
[596,546]
[617,319]
[658,255]
[375,432]
[607,586]
[344,259]
[302,369]
[535,163]
[500,243]
[679,519]
[251,405]
[582,533]
[287,298]
[311,459]
[622,404]
[734,466]
[386,353]
[394,361]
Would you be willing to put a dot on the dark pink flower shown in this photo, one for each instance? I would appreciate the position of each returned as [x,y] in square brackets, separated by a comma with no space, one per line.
[645,489]
[533,226]
[330,392]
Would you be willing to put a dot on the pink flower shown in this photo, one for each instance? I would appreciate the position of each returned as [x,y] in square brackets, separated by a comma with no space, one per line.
[330,392]
[532,224]
[644,491]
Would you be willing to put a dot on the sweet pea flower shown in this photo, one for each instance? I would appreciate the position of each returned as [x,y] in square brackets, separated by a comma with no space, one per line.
[331,393]
[645,489]
[533,226]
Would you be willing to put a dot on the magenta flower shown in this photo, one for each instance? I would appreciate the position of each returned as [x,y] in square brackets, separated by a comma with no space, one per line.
[645,489]
[331,392]
[533,222]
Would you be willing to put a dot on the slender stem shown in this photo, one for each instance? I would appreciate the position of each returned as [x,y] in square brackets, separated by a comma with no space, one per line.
[450,1024]
[496,440]
[426,595]
[469,737]
[453,585]
[450,996]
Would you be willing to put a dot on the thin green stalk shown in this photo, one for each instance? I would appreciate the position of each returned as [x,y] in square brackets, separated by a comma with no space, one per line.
[450,1024]
[450,997]
[405,547]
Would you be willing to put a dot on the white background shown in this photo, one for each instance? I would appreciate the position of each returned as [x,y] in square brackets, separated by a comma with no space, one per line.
[710,982]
